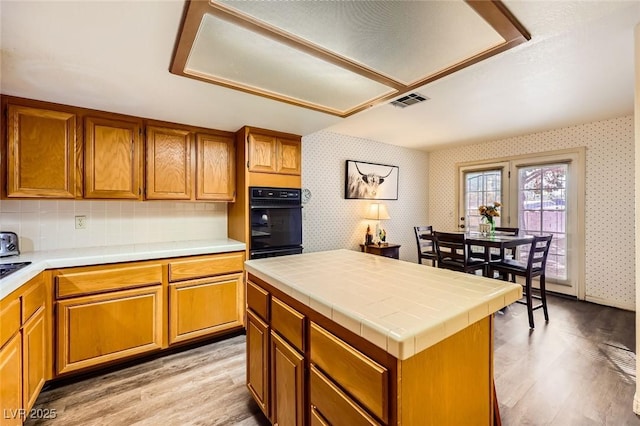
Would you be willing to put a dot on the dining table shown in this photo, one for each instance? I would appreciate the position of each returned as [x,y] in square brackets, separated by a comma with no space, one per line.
[497,240]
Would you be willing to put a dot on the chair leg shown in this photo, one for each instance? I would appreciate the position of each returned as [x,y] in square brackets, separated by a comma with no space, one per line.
[543,297]
[419,260]
[529,301]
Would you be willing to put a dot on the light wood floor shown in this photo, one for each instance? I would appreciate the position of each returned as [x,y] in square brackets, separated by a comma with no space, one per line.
[577,370]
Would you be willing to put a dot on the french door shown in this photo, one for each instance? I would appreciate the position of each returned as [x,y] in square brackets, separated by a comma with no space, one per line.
[540,194]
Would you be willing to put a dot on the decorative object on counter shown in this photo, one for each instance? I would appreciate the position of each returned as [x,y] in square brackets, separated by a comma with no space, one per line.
[368,237]
[488,214]
[377,212]
[382,235]
[369,181]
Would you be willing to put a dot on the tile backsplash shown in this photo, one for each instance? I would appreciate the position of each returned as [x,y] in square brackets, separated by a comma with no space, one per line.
[50,224]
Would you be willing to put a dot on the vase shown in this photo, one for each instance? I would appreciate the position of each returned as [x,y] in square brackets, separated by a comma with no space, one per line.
[485,226]
[493,227]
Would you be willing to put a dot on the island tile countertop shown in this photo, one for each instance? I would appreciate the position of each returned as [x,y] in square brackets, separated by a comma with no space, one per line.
[84,256]
[399,306]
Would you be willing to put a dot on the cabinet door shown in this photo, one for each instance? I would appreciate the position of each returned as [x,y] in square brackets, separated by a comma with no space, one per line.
[202,307]
[11,380]
[34,351]
[258,360]
[287,381]
[168,164]
[215,165]
[262,154]
[289,157]
[93,330]
[112,165]
[41,153]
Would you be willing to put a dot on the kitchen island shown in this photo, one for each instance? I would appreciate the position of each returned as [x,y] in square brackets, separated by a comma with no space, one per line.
[342,337]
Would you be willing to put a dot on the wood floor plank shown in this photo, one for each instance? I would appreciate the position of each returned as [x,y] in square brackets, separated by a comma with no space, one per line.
[577,370]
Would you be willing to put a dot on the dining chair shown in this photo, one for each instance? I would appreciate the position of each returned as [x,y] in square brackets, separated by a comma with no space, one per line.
[535,267]
[424,241]
[453,253]
[506,231]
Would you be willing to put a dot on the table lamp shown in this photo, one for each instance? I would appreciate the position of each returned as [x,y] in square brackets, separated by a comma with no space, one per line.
[377,212]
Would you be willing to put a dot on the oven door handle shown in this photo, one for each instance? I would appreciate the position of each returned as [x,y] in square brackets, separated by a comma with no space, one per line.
[254,207]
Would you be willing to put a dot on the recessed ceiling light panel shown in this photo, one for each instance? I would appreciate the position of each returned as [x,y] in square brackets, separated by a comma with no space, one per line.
[338,57]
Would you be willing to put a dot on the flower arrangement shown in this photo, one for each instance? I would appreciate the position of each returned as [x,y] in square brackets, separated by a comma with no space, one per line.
[490,211]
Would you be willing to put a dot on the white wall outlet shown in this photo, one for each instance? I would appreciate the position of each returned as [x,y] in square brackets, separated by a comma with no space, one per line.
[81,222]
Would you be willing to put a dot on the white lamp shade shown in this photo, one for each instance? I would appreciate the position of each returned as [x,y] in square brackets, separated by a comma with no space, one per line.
[377,211]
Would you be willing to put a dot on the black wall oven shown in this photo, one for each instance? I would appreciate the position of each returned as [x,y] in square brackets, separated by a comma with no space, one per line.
[276,222]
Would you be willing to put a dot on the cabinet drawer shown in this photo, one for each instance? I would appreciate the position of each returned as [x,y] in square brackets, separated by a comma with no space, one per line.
[330,403]
[364,379]
[316,418]
[9,318]
[288,322]
[76,282]
[33,298]
[258,300]
[206,266]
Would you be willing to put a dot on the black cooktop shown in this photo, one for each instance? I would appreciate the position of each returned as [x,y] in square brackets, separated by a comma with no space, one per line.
[8,268]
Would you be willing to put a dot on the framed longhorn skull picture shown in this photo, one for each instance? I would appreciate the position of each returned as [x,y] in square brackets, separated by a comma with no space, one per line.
[370,181]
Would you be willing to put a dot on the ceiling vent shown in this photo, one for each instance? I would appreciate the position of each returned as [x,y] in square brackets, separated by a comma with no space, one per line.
[408,100]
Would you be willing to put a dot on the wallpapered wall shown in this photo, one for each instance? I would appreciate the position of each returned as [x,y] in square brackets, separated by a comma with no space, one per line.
[330,221]
[50,224]
[609,217]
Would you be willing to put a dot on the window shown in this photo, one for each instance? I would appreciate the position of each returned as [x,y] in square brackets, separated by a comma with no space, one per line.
[542,195]
[482,188]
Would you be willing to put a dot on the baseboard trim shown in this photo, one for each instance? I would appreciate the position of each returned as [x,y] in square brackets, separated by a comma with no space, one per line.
[613,304]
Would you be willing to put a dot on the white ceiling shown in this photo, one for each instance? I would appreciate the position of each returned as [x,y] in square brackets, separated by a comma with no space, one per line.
[115,56]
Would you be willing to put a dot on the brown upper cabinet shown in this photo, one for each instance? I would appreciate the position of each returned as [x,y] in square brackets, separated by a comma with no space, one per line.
[168,164]
[215,166]
[178,157]
[274,154]
[113,166]
[42,152]
[61,151]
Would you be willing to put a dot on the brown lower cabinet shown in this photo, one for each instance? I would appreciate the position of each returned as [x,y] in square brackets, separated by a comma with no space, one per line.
[96,329]
[303,368]
[203,306]
[283,345]
[105,314]
[108,313]
[11,379]
[275,357]
[24,350]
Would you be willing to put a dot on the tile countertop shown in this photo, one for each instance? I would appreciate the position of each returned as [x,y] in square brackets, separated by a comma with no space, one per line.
[399,306]
[42,260]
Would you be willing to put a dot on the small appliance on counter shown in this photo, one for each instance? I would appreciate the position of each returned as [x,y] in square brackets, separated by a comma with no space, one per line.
[9,244]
